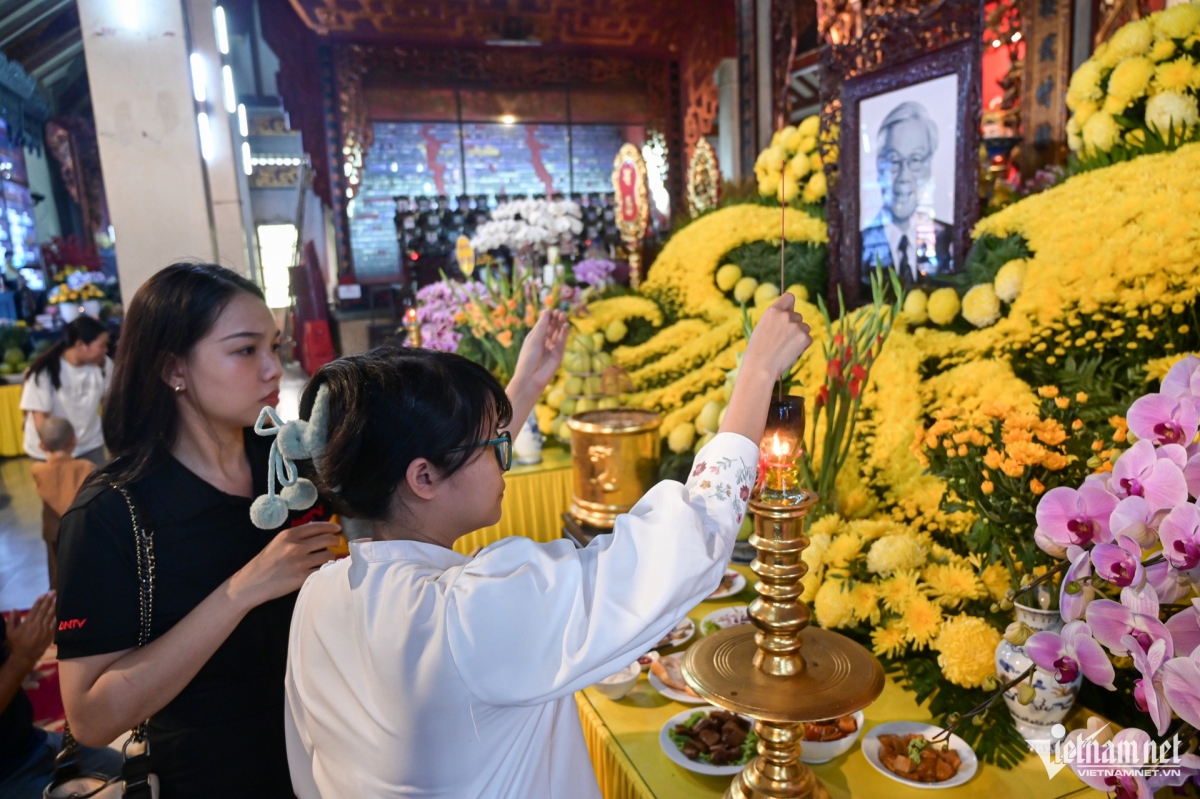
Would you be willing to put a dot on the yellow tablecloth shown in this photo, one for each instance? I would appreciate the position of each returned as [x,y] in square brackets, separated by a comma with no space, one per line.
[12,422]
[535,498]
[622,738]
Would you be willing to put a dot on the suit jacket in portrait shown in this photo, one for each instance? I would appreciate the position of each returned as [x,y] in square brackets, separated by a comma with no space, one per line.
[877,251]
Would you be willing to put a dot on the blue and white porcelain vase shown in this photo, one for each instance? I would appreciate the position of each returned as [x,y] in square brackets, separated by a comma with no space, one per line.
[1052,700]
[527,449]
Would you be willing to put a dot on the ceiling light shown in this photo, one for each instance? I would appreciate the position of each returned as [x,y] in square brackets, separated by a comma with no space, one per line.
[222,31]
[508,119]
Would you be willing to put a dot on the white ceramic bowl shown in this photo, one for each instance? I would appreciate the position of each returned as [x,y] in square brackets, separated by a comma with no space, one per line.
[621,683]
[824,751]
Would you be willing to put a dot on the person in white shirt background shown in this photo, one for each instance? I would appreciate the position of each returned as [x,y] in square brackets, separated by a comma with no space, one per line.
[416,671]
[70,380]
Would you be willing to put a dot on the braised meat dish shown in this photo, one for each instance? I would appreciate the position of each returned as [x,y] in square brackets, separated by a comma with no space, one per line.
[915,758]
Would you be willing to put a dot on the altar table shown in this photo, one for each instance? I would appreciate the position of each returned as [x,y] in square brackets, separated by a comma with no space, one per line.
[12,421]
[622,738]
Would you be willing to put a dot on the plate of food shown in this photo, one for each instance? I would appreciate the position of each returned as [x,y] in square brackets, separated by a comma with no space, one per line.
[681,634]
[709,740]
[825,740]
[904,751]
[731,616]
[666,677]
[734,582]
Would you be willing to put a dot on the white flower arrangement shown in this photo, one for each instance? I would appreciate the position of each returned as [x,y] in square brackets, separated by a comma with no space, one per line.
[536,224]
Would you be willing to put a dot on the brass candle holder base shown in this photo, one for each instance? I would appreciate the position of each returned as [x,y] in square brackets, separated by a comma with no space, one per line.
[780,672]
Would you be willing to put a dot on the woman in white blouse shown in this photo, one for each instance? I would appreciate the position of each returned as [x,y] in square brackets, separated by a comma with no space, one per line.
[419,672]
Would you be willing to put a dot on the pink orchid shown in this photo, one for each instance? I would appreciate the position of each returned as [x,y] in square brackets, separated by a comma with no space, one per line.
[1135,615]
[1180,533]
[1139,472]
[1119,563]
[1170,584]
[1191,474]
[1071,653]
[1148,692]
[1181,685]
[1183,381]
[1175,453]
[1160,419]
[1069,517]
[1184,627]
[1135,518]
[1133,776]
[1072,606]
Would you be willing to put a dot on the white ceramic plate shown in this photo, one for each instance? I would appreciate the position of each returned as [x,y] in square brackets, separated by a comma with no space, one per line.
[736,587]
[870,750]
[676,756]
[679,636]
[731,616]
[671,693]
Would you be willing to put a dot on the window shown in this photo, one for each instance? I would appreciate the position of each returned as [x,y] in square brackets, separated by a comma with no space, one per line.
[276,253]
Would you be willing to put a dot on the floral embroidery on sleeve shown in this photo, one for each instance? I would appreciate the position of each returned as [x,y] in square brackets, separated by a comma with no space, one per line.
[726,480]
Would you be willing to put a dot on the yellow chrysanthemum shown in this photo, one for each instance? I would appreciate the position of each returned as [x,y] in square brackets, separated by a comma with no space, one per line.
[833,605]
[1171,110]
[888,641]
[790,138]
[1085,85]
[915,305]
[828,525]
[921,621]
[1010,279]
[864,599]
[1176,76]
[997,580]
[981,306]
[966,647]
[768,185]
[894,553]
[817,187]
[943,306]
[1129,41]
[1162,50]
[843,549]
[1131,79]
[789,189]
[818,543]
[1177,22]
[950,584]
[1101,132]
[898,591]
[799,166]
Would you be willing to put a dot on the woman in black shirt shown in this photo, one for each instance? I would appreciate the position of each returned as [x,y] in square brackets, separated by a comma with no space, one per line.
[198,360]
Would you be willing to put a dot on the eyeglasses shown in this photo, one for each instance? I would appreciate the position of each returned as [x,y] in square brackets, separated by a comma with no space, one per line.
[913,162]
[502,445]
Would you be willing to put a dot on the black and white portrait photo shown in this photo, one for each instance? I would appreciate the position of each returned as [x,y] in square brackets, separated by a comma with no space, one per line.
[906,184]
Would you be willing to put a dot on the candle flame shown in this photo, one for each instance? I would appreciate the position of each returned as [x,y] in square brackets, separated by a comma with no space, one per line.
[780,449]
[410,316]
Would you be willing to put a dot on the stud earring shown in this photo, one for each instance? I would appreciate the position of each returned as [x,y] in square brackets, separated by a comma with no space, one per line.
[179,388]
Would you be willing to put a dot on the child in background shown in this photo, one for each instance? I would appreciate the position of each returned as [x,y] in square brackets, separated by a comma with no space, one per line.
[58,480]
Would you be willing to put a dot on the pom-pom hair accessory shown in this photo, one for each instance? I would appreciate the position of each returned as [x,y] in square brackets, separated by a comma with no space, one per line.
[296,440]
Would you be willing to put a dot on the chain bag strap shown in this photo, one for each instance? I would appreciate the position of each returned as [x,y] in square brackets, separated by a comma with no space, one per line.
[136,780]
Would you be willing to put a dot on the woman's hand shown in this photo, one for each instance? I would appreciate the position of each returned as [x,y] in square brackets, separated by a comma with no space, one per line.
[779,339]
[285,563]
[28,638]
[540,357]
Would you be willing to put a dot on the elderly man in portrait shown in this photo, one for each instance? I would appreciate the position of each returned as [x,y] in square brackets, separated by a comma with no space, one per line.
[903,235]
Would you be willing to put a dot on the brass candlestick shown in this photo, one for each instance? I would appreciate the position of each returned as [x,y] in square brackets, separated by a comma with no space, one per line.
[413,328]
[781,672]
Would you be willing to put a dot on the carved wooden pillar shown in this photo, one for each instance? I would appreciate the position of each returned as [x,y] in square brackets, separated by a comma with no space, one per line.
[747,60]
[1047,28]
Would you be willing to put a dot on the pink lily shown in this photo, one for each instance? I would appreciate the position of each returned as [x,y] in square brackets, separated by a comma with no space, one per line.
[1181,685]
[1069,517]
[1135,518]
[1072,606]
[1147,692]
[1068,655]
[1139,472]
[1161,419]
[1183,381]
[1180,534]
[1119,563]
[1184,627]
[1135,615]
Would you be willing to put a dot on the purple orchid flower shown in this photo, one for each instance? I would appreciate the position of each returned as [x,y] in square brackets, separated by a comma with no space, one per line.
[1139,472]
[1072,606]
[1191,474]
[1133,517]
[1074,517]
[1183,381]
[1170,584]
[1148,692]
[1160,419]
[1180,533]
[1135,615]
[1181,685]
[1068,655]
[1184,627]
[1120,563]
[1133,776]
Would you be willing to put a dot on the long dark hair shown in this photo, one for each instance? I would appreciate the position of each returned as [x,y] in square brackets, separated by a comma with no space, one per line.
[172,311]
[389,407]
[82,328]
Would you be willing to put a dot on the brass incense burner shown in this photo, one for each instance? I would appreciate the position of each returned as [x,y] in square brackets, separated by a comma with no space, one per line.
[781,672]
[615,455]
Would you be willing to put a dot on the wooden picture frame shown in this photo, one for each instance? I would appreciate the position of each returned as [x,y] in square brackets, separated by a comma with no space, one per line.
[962,61]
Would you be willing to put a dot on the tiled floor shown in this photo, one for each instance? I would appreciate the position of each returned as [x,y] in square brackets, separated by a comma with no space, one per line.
[23,575]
